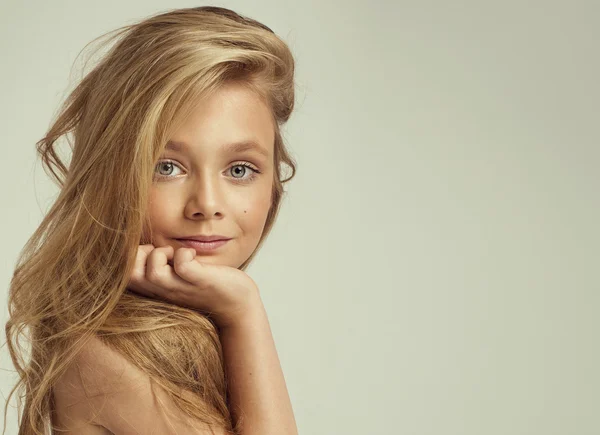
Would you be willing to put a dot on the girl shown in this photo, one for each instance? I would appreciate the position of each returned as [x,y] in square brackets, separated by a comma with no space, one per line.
[132,291]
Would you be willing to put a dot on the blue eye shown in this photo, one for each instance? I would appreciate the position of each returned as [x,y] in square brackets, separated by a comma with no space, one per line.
[168,166]
[245,167]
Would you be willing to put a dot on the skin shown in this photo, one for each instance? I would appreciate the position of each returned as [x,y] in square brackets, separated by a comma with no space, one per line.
[205,190]
[202,196]
[206,200]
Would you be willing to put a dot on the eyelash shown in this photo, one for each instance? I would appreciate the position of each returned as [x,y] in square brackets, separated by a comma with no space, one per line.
[237,180]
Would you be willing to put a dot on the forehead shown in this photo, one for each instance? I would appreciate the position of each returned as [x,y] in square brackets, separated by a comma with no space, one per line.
[232,119]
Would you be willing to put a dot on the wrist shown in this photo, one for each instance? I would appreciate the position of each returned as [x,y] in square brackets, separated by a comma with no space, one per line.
[251,312]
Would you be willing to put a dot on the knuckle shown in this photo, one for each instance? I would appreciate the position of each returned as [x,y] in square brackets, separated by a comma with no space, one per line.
[154,275]
[179,254]
[137,275]
[180,266]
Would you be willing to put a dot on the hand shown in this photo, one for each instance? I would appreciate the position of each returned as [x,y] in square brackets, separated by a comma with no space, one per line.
[181,278]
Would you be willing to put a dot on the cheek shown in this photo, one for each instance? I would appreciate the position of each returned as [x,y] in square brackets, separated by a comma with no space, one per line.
[254,210]
[161,209]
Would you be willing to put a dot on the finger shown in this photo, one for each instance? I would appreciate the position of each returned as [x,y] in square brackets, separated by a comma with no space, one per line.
[158,259]
[157,267]
[146,248]
[160,277]
[190,267]
[183,255]
[183,258]
[142,257]
[139,268]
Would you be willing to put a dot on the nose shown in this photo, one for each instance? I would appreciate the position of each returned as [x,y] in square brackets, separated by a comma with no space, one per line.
[204,199]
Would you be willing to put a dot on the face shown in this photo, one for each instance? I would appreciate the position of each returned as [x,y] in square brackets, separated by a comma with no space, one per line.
[210,181]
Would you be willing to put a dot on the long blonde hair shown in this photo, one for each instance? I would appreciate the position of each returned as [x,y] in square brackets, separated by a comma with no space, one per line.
[69,284]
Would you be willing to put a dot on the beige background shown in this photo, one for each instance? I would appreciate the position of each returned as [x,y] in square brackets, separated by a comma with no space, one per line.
[435,266]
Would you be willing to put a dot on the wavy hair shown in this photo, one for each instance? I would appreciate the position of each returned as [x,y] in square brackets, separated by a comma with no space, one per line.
[70,280]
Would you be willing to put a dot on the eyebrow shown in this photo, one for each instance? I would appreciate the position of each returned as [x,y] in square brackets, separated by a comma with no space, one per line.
[235,147]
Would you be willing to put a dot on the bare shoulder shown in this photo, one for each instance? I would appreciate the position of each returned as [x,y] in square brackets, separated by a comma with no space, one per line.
[103,387]
[91,378]
[104,371]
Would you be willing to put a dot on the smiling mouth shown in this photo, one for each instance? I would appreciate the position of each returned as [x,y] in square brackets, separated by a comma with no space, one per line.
[203,247]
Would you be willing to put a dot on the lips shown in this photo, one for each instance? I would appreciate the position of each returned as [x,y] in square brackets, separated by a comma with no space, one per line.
[203,247]
[203,238]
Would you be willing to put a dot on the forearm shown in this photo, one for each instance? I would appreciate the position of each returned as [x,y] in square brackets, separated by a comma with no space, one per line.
[257,389]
